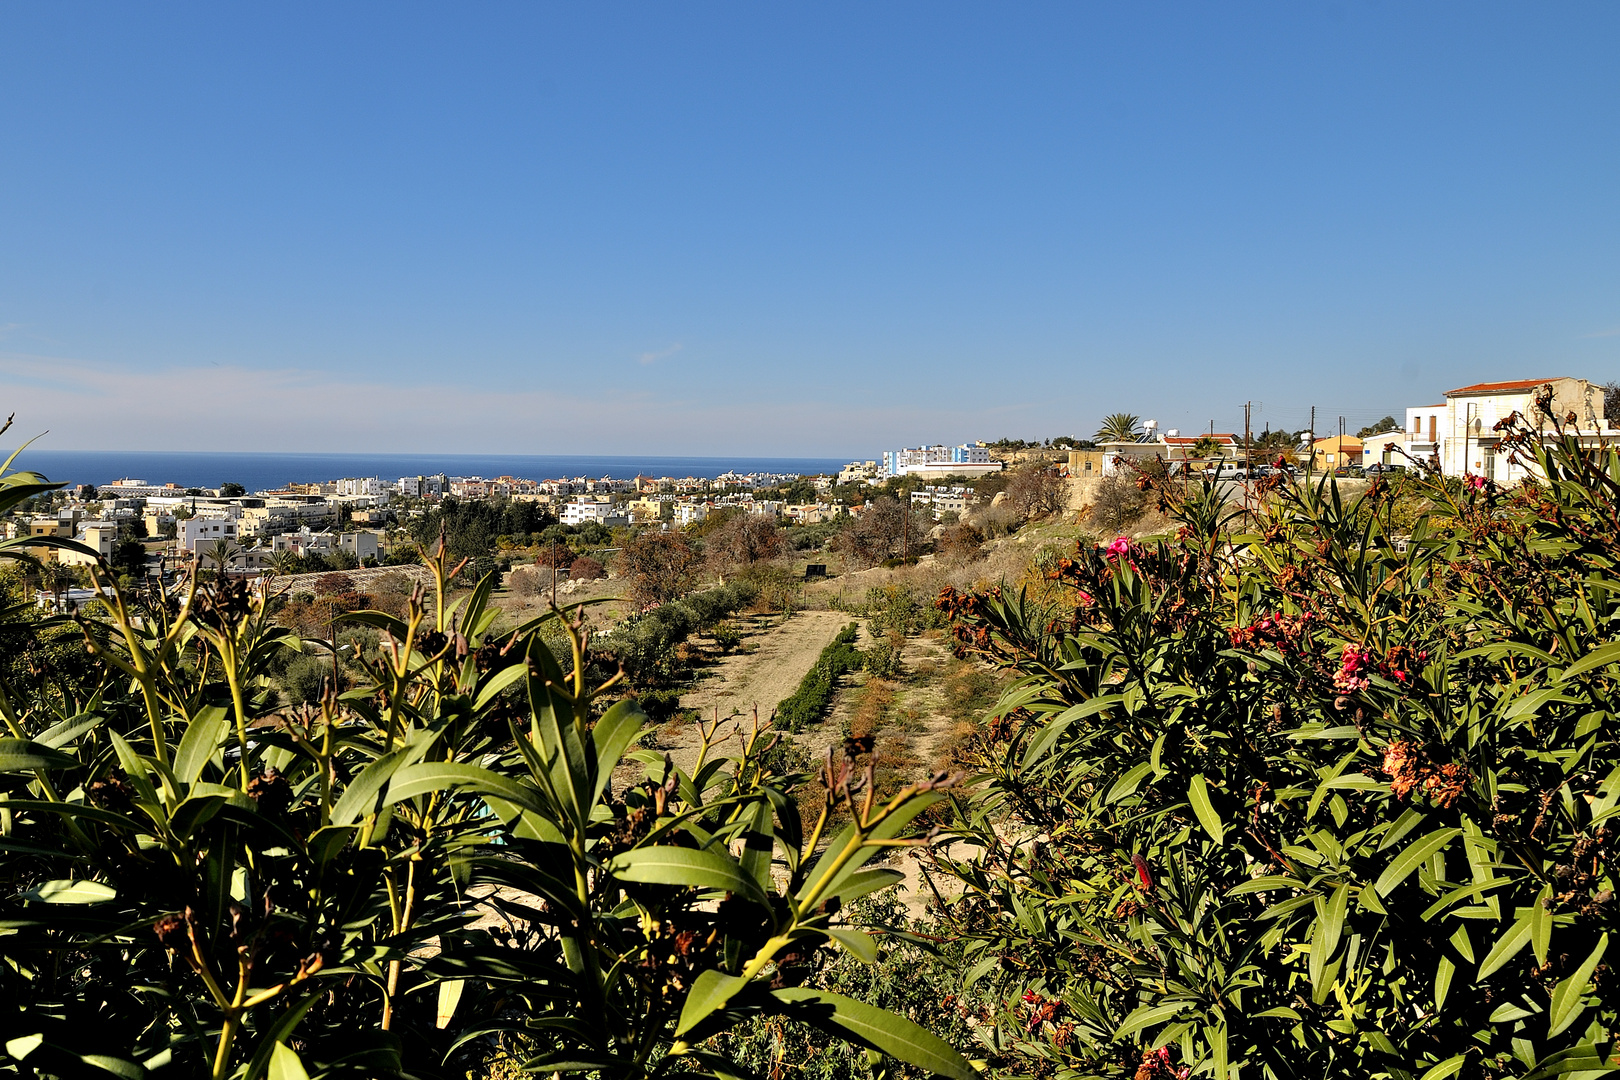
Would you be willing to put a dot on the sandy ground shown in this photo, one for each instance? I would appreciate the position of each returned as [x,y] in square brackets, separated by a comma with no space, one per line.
[760,678]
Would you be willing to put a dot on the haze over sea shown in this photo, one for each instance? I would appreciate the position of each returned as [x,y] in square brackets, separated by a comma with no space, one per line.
[261,472]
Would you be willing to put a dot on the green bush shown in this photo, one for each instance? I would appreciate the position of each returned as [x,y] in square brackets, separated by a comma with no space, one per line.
[911,977]
[900,608]
[645,644]
[808,704]
[194,882]
[1301,796]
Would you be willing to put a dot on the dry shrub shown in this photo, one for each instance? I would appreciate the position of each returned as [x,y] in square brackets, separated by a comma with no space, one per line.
[334,583]
[1117,504]
[586,568]
[1037,490]
[960,544]
[872,710]
[527,581]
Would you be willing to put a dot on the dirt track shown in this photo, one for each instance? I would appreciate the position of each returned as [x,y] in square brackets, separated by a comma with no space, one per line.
[772,671]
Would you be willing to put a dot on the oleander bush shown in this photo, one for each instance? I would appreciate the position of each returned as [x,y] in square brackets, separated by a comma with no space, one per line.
[1307,791]
[463,850]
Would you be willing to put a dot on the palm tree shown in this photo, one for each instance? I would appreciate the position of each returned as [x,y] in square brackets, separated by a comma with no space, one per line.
[222,552]
[1118,427]
[58,579]
[282,562]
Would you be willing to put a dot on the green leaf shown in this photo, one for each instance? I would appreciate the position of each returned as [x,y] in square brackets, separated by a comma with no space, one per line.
[759,842]
[1198,794]
[71,892]
[430,776]
[359,798]
[858,943]
[1148,1015]
[1049,735]
[493,685]
[1127,784]
[1265,883]
[449,997]
[1541,924]
[1442,981]
[1568,1000]
[685,866]
[885,1031]
[203,735]
[1449,1067]
[1602,656]
[1416,854]
[285,1065]
[612,734]
[1506,946]
[711,990]
[1331,922]
[863,882]
[24,755]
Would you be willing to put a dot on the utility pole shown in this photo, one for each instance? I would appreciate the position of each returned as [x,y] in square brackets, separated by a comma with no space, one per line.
[1248,444]
[1310,462]
[554,573]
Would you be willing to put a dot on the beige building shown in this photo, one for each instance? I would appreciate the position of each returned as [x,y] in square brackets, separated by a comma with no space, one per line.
[1465,434]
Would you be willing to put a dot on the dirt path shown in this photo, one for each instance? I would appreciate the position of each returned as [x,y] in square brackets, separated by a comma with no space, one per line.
[762,678]
[769,673]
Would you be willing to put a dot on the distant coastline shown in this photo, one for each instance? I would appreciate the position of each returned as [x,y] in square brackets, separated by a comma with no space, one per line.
[258,472]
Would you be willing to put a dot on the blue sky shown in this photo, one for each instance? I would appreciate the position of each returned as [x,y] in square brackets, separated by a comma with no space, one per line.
[716,228]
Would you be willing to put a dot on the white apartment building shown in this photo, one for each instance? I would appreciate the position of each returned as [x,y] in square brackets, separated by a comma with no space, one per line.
[423,487]
[198,533]
[362,545]
[360,485]
[581,513]
[690,513]
[941,500]
[968,459]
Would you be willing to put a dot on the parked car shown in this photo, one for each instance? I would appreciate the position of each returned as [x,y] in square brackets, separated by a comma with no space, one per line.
[1349,470]
[1380,469]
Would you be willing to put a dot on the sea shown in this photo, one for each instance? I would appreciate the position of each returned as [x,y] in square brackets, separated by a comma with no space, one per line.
[267,472]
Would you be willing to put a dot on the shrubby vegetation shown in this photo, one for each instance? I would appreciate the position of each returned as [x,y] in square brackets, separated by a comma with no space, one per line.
[471,527]
[808,704]
[198,882]
[1307,794]
[645,644]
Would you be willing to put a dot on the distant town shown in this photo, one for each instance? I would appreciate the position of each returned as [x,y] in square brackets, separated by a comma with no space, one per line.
[146,527]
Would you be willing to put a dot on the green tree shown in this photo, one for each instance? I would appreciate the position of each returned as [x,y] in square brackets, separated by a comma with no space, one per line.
[232,490]
[1118,427]
[1388,423]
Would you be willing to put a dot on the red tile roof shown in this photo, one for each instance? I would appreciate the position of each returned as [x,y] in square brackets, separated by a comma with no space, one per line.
[1499,387]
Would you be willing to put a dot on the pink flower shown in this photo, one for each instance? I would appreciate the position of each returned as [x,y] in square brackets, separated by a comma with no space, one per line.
[1352,662]
[1121,546]
[1475,482]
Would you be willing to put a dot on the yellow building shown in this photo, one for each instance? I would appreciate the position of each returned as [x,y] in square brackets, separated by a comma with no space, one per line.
[1336,452]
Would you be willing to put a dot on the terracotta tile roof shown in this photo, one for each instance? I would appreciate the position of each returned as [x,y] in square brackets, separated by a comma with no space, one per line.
[1499,387]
